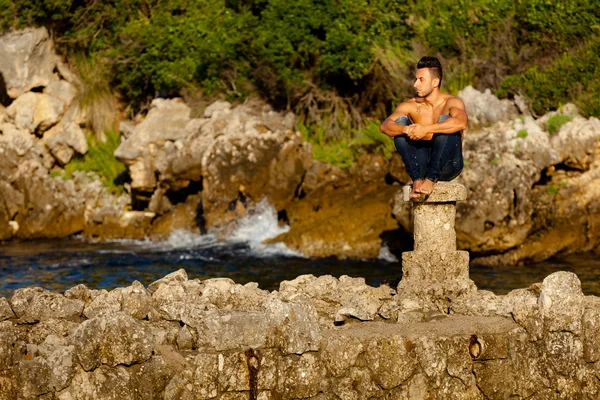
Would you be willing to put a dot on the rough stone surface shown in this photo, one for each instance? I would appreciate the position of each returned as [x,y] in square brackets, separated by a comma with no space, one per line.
[112,339]
[561,301]
[485,109]
[37,304]
[508,347]
[28,60]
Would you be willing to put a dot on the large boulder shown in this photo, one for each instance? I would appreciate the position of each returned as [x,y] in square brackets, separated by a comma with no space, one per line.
[485,109]
[244,153]
[27,60]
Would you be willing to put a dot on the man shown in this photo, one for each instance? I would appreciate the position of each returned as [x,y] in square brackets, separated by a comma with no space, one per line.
[427,130]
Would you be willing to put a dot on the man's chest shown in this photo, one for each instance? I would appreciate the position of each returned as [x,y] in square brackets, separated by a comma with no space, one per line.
[424,115]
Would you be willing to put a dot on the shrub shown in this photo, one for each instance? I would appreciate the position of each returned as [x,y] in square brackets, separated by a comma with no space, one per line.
[522,134]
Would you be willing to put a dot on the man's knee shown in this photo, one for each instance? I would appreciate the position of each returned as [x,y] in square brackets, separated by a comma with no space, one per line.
[402,121]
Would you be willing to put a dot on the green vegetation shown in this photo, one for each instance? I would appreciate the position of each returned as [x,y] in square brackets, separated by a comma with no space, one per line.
[100,159]
[556,121]
[496,161]
[346,153]
[337,64]
[522,134]
[552,189]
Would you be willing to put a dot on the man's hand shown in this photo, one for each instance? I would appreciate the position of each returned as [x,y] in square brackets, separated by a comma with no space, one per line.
[417,131]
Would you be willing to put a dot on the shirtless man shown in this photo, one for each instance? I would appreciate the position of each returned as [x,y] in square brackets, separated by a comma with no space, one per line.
[428,129]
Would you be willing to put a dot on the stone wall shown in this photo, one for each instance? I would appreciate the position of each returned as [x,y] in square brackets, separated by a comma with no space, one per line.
[319,338]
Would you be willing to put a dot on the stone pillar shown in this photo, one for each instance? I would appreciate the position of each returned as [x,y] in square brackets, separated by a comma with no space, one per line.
[435,273]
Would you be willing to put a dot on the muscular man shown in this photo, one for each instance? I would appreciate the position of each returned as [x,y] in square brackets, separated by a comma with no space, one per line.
[427,130]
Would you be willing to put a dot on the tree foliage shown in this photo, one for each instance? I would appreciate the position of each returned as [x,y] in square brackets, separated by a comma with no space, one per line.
[337,63]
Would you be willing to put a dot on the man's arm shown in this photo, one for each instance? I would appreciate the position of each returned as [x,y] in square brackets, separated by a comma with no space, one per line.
[390,127]
[458,119]
[457,122]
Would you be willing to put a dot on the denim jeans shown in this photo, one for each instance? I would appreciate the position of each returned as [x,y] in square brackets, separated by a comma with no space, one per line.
[438,159]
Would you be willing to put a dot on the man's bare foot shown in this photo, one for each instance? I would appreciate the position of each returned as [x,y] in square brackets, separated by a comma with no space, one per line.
[416,190]
[426,187]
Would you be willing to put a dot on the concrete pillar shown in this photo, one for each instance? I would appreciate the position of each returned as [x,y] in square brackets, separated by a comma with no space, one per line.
[435,273]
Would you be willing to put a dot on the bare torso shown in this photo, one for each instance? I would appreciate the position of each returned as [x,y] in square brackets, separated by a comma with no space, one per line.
[424,113]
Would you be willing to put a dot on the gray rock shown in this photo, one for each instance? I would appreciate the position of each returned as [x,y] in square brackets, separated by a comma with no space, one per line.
[390,361]
[166,121]
[562,302]
[301,377]
[294,326]
[339,353]
[104,302]
[591,335]
[102,383]
[65,140]
[36,112]
[28,60]
[485,109]
[233,330]
[6,311]
[37,304]
[177,276]
[198,381]
[136,301]
[61,90]
[112,339]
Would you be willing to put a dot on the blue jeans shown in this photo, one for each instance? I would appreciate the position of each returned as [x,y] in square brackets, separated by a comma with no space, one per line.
[438,159]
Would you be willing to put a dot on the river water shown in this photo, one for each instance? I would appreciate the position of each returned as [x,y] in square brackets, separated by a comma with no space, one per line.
[60,264]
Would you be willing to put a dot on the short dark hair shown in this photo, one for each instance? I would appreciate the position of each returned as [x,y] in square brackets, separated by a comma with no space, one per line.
[434,65]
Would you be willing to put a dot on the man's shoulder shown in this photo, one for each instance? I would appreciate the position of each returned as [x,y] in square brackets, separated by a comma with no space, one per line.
[452,99]
[406,106]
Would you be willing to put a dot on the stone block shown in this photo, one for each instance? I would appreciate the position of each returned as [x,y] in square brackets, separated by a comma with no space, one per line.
[443,192]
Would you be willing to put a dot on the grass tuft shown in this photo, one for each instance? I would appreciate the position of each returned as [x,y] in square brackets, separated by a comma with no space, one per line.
[556,121]
[101,160]
[522,134]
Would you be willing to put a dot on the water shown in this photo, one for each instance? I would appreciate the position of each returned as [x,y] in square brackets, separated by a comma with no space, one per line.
[60,264]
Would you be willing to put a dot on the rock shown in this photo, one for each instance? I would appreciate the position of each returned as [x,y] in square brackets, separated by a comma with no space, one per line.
[561,300]
[65,140]
[112,339]
[575,142]
[136,301]
[36,112]
[62,90]
[51,371]
[166,121]
[591,335]
[102,383]
[174,277]
[6,311]
[295,326]
[390,361]
[28,60]
[234,330]
[37,304]
[342,222]
[104,302]
[339,353]
[200,380]
[485,109]
[301,377]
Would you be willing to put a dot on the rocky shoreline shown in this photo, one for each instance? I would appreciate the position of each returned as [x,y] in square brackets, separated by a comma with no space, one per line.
[531,194]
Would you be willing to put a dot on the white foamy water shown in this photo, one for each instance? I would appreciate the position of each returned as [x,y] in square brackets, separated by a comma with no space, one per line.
[259,225]
[386,255]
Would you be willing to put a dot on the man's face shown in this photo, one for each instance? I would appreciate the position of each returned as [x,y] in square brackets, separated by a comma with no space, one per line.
[423,82]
